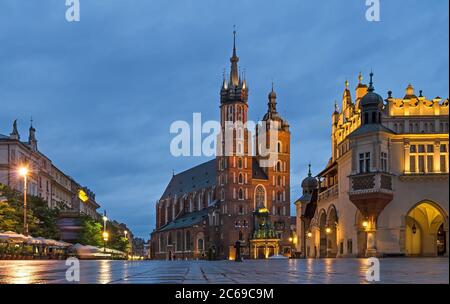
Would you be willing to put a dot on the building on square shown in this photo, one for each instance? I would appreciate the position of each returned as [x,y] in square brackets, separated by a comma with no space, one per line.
[204,211]
[45,180]
[385,189]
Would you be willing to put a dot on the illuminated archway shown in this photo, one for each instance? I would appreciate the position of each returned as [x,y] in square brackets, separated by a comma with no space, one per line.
[426,230]
[323,234]
[331,232]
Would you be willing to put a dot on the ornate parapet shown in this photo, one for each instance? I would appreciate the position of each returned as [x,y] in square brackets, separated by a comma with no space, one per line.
[371,192]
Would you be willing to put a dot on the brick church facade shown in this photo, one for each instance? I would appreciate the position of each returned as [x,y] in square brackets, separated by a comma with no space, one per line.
[205,210]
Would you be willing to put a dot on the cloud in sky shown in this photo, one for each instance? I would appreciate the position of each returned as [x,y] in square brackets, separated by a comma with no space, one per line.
[104,91]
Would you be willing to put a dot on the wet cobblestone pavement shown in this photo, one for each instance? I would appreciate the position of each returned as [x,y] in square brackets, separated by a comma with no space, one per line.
[392,270]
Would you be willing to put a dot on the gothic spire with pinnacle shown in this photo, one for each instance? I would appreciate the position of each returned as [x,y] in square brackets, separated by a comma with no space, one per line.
[234,73]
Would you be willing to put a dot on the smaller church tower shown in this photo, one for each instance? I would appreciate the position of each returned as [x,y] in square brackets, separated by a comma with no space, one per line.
[277,172]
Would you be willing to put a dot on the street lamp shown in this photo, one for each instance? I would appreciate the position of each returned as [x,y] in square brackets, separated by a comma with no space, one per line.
[365,224]
[309,234]
[23,171]
[328,230]
[126,236]
[105,233]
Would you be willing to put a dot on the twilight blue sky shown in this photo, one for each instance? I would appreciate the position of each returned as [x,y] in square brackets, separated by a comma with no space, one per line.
[104,91]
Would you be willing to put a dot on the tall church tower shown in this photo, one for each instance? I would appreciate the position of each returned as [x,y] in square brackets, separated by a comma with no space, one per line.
[234,160]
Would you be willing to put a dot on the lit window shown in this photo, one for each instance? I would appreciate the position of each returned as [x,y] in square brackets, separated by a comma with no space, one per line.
[421,159]
[443,158]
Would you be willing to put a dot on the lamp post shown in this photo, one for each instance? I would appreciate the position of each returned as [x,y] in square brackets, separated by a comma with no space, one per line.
[105,233]
[23,171]
[126,236]
[291,246]
[105,239]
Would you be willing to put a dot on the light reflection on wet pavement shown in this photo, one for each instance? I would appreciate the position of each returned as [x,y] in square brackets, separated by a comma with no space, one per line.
[392,270]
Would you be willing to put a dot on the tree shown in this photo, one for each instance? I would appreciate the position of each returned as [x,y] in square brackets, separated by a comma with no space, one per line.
[117,239]
[46,218]
[8,217]
[91,232]
[40,218]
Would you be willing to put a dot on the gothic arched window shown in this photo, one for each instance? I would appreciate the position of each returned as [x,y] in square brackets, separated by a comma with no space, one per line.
[241,179]
[188,240]
[279,169]
[240,163]
[200,245]
[279,196]
[241,194]
[260,196]
[240,113]
[179,243]
[241,209]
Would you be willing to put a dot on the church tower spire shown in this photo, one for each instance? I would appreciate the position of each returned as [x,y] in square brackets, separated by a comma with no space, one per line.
[234,73]
[236,90]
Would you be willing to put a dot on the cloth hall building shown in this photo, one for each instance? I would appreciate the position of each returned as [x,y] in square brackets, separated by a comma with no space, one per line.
[385,189]
[206,210]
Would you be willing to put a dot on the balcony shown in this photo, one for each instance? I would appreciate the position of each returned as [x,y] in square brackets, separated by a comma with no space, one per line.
[329,193]
[371,192]
[371,183]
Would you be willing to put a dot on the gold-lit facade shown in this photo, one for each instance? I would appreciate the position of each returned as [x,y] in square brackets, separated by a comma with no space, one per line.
[384,191]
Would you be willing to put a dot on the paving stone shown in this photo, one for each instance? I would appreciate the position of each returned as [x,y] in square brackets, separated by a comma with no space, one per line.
[392,270]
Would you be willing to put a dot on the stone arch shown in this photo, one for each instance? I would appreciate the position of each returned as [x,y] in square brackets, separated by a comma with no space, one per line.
[361,235]
[331,231]
[426,230]
[332,215]
[322,223]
